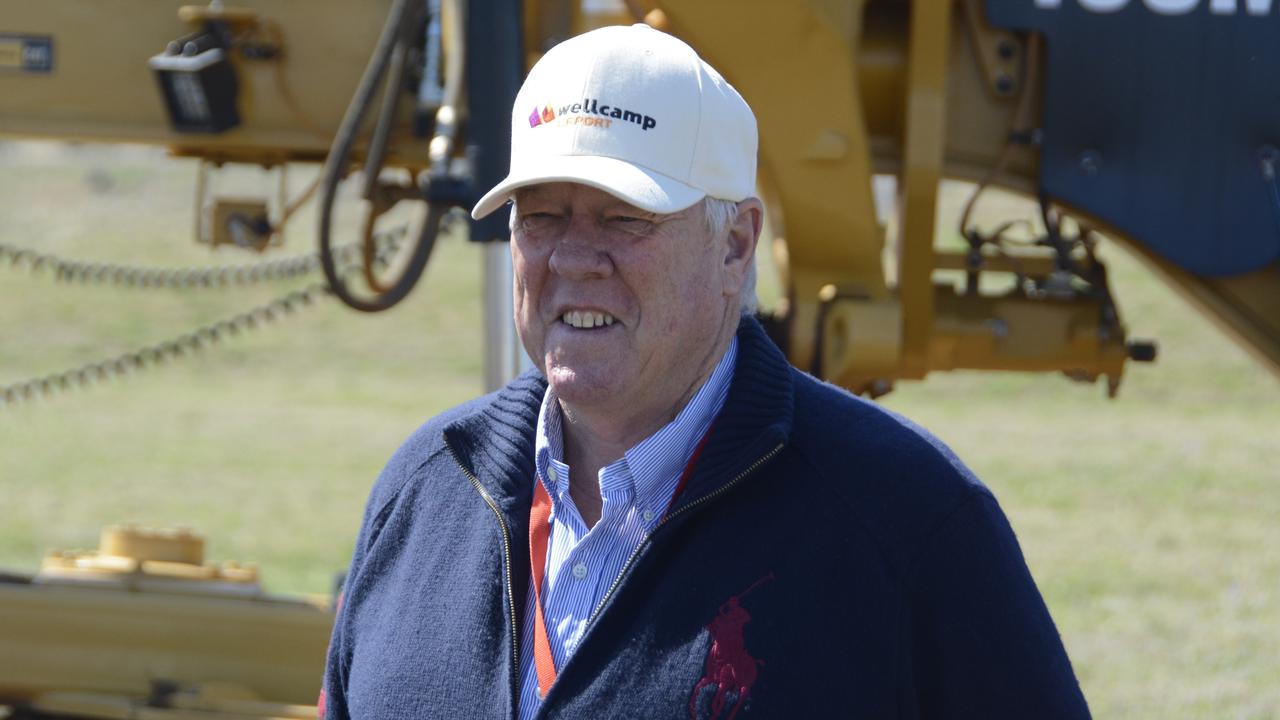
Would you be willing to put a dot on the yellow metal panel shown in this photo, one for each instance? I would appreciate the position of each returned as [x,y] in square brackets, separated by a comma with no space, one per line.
[87,640]
[101,88]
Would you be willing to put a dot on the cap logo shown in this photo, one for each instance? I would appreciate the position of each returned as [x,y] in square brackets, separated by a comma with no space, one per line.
[589,112]
[545,115]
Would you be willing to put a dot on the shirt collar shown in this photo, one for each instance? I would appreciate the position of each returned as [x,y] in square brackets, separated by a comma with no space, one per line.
[656,462]
[549,443]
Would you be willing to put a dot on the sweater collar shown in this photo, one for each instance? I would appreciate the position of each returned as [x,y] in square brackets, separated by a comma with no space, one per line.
[756,418]
[496,442]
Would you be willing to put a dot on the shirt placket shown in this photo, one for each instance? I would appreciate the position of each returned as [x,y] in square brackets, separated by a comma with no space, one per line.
[581,579]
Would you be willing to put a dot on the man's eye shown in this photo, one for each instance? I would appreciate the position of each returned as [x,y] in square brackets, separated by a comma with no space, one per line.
[537,219]
[630,221]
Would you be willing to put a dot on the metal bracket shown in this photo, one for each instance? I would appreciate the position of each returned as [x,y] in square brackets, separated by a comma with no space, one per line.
[244,222]
[999,52]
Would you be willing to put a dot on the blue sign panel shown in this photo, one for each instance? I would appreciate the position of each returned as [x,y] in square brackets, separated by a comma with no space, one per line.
[1162,117]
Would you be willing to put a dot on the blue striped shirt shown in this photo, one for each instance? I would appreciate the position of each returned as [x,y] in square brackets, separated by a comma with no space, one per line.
[635,490]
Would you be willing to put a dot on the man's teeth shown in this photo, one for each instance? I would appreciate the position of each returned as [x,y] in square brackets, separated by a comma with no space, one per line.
[586,319]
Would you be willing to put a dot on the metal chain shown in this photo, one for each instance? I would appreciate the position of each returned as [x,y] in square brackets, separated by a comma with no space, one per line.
[155,354]
[185,344]
[179,279]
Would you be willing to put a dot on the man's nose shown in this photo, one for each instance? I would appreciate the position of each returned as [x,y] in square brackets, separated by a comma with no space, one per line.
[578,254]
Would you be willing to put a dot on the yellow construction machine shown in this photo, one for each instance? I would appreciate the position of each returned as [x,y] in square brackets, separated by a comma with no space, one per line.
[1150,123]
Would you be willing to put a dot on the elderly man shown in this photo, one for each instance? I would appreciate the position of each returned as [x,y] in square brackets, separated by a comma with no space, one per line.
[666,520]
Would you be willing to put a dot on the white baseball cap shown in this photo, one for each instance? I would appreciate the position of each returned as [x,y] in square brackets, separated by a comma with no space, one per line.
[636,113]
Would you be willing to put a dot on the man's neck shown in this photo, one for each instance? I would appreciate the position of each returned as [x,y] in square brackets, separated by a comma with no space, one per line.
[595,437]
[586,457]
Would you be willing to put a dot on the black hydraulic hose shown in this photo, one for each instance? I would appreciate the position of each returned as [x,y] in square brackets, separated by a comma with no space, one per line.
[394,33]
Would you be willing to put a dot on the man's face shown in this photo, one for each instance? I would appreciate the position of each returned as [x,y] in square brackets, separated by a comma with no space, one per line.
[620,307]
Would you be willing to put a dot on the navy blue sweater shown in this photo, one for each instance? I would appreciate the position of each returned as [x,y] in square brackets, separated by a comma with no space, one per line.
[826,559]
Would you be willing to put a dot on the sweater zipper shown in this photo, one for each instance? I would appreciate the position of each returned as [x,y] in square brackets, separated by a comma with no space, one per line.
[648,536]
[506,555]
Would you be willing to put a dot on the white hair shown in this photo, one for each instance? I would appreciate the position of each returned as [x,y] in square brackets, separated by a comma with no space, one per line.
[720,216]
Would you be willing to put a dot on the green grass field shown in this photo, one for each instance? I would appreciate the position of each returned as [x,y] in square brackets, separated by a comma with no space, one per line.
[1151,522]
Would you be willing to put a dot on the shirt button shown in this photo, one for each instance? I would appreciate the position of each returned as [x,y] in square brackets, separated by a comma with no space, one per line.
[580,570]
[647,515]
[551,473]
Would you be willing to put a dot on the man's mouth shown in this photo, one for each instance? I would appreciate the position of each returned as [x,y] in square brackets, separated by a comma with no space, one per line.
[586,319]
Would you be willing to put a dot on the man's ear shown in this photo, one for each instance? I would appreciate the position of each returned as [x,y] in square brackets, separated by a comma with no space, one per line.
[740,245]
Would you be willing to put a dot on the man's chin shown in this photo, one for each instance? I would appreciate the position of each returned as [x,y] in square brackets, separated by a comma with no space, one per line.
[582,387]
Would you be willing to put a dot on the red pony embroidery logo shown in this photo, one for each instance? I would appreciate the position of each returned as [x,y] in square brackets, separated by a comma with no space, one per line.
[730,668]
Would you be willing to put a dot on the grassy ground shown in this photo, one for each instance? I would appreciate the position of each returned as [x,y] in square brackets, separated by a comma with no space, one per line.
[1152,522]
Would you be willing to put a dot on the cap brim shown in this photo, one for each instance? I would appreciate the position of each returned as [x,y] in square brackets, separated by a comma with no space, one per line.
[643,188]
